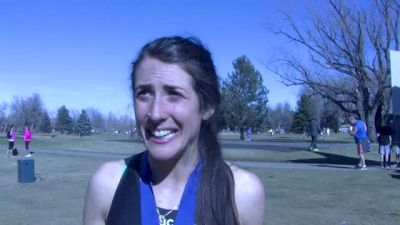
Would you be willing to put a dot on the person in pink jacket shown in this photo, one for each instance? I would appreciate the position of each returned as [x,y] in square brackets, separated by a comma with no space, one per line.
[27,140]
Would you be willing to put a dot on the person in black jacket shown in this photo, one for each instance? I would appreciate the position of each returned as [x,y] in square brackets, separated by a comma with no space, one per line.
[314,131]
[384,141]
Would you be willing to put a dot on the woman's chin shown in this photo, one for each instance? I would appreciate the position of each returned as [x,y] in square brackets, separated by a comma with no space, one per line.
[162,152]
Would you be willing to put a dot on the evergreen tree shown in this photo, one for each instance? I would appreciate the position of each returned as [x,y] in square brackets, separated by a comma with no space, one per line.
[304,114]
[64,122]
[244,97]
[45,124]
[83,126]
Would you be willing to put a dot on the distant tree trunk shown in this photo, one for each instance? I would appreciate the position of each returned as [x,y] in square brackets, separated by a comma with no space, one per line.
[242,133]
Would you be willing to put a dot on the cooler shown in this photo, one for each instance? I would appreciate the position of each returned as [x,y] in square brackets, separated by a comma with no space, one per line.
[26,170]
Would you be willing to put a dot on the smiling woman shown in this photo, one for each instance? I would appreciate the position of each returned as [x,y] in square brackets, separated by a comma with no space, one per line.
[181,178]
[167,110]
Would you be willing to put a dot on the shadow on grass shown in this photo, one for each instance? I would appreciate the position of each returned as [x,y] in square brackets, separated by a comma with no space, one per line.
[395,176]
[334,160]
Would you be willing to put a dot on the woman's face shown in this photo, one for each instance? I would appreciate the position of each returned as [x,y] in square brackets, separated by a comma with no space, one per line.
[167,109]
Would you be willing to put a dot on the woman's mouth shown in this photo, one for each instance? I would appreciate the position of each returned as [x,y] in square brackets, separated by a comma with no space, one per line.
[162,135]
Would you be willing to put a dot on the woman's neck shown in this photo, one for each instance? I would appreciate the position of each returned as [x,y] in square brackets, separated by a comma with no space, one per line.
[175,170]
[169,178]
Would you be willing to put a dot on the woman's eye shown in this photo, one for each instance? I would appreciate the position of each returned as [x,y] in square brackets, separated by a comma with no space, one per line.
[175,96]
[142,95]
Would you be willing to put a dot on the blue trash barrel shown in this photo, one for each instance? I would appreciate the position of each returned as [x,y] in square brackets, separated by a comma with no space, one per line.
[26,170]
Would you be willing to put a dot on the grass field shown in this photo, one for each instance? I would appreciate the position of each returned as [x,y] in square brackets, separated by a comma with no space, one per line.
[294,196]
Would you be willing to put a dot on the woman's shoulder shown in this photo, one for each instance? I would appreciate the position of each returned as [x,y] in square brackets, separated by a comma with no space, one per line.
[246,181]
[109,170]
[249,196]
[107,176]
[104,181]
[100,193]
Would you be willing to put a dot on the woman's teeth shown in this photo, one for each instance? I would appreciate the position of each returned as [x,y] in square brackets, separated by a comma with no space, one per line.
[163,133]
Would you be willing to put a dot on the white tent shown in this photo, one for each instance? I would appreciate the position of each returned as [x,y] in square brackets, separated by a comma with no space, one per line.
[395,70]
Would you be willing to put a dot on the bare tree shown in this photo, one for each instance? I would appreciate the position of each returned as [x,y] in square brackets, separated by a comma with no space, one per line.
[111,122]
[97,119]
[281,116]
[3,116]
[126,123]
[26,111]
[348,49]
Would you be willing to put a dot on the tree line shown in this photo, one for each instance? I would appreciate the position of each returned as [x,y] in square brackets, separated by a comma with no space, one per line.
[29,111]
[244,105]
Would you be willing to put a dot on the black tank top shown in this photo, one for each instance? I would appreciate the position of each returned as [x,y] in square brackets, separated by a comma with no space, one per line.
[167,216]
[125,207]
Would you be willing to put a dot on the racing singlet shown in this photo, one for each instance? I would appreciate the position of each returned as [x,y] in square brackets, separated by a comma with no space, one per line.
[134,196]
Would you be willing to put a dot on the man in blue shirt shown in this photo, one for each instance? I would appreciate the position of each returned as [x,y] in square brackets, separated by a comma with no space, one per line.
[358,130]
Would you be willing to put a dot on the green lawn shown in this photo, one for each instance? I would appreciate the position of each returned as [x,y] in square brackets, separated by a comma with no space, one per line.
[294,196]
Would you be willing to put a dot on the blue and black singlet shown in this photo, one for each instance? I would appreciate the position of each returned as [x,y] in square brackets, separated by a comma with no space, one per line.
[134,203]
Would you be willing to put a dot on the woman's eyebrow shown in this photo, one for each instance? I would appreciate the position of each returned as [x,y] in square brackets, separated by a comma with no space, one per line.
[143,86]
[173,88]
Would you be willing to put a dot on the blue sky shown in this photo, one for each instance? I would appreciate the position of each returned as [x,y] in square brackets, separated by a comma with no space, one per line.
[78,53]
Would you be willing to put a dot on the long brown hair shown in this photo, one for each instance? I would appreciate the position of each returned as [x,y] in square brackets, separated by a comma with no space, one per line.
[215,203]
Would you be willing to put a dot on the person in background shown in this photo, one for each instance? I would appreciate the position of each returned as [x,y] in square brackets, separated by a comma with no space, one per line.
[11,141]
[314,132]
[328,131]
[384,140]
[182,178]
[248,134]
[27,140]
[358,130]
[396,138]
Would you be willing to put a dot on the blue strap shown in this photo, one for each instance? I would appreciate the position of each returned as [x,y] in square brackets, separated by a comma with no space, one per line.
[187,205]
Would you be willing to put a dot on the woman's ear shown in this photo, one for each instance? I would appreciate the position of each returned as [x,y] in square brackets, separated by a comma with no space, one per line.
[208,113]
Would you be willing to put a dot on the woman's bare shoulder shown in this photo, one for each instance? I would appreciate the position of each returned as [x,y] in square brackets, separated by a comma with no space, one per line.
[249,196]
[246,181]
[105,179]
[108,171]
[100,192]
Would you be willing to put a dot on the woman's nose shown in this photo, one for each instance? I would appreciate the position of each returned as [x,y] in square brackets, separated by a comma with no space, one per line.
[157,110]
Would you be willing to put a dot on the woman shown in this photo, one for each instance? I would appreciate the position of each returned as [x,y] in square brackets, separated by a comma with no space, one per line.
[183,178]
[27,140]
[11,141]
